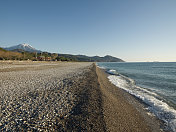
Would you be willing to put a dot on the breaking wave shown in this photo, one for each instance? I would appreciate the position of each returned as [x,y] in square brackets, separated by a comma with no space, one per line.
[155,103]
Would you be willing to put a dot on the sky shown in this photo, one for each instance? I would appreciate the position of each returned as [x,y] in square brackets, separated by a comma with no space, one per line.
[133,30]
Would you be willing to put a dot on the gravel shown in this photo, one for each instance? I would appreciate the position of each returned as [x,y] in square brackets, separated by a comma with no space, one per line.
[38,100]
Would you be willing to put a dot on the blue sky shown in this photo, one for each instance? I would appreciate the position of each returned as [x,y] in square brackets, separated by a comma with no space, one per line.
[134,30]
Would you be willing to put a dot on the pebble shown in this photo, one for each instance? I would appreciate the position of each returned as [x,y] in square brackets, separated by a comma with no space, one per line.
[34,99]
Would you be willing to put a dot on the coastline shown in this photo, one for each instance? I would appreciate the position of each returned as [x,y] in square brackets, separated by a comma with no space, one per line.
[122,111]
[67,97]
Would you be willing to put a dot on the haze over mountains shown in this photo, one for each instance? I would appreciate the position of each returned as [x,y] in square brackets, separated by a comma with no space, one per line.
[28,48]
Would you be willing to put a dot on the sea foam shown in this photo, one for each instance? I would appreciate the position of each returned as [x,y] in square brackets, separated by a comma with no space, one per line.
[156,106]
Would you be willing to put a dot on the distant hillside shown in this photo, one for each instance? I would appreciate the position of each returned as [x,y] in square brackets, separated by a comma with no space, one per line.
[9,55]
[106,58]
[27,52]
[1,49]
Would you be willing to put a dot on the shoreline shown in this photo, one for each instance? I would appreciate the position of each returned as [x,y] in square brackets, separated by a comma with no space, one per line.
[67,97]
[132,113]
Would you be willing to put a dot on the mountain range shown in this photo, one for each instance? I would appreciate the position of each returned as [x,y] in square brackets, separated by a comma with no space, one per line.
[21,48]
[106,58]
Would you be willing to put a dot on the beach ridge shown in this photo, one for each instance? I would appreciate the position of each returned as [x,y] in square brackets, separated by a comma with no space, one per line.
[122,112]
[66,97]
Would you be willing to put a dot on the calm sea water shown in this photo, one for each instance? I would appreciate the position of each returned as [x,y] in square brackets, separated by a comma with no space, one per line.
[154,83]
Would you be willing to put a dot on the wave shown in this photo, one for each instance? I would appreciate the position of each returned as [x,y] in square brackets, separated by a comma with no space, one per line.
[155,103]
[112,72]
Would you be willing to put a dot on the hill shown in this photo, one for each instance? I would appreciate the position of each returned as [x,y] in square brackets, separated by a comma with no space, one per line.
[9,55]
[1,49]
[85,58]
[27,52]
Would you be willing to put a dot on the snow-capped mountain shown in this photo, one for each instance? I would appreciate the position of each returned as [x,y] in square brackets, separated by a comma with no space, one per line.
[24,47]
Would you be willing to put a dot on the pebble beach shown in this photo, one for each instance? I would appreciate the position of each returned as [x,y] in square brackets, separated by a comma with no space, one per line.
[66,96]
[33,94]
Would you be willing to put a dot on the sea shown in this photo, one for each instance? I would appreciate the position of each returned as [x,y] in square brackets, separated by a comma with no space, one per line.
[154,83]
